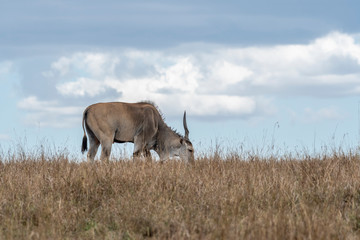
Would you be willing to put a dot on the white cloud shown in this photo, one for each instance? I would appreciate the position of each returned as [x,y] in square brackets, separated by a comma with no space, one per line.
[62,66]
[224,73]
[220,70]
[214,80]
[176,82]
[49,113]
[280,66]
[337,44]
[92,64]
[82,87]
[183,76]
[219,105]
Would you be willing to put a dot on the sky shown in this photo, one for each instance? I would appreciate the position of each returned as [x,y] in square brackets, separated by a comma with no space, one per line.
[258,75]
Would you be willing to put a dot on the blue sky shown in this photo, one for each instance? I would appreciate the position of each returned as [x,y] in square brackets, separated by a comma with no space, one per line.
[251,74]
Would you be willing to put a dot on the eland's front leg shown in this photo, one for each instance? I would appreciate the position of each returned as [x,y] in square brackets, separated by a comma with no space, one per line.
[139,147]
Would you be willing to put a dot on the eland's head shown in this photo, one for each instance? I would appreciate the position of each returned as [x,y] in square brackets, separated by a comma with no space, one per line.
[182,146]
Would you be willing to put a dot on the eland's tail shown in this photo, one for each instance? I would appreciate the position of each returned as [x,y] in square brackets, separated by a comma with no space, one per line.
[84,141]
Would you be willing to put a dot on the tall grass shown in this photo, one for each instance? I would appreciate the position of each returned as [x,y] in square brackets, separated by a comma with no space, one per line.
[50,196]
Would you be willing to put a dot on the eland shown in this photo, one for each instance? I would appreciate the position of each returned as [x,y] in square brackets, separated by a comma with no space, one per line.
[139,123]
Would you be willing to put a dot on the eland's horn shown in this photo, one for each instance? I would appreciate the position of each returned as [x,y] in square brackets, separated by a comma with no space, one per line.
[185,126]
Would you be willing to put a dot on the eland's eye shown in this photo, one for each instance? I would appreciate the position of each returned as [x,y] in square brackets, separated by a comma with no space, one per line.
[191,150]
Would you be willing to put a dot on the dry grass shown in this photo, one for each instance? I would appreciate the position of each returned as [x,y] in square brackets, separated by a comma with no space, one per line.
[53,197]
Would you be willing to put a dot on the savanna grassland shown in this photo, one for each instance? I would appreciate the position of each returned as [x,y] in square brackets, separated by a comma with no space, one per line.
[228,197]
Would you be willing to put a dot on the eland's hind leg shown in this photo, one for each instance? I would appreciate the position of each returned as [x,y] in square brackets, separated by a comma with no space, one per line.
[106,149]
[94,145]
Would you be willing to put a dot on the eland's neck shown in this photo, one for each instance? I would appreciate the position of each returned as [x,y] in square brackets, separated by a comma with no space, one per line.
[165,139]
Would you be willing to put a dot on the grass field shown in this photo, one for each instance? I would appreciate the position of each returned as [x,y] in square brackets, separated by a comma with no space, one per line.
[48,196]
